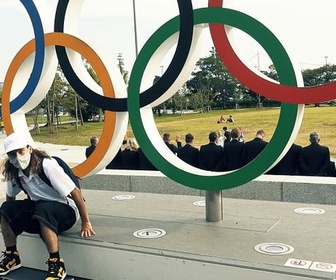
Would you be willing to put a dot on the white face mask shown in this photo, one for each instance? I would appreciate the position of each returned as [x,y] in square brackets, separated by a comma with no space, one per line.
[21,161]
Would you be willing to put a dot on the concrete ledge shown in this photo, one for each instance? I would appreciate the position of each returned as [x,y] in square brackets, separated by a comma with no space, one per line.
[191,248]
[104,261]
[304,189]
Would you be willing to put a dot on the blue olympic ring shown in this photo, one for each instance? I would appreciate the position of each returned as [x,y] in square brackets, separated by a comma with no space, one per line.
[28,90]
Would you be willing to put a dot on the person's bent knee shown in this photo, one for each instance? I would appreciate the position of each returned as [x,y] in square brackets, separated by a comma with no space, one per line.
[8,205]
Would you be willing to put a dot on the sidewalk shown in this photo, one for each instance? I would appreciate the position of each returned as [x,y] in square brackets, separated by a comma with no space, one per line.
[256,240]
[247,244]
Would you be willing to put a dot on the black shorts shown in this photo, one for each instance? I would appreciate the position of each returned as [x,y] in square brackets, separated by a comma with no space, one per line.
[25,215]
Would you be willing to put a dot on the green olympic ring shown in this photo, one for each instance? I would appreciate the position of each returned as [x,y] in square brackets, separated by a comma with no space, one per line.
[289,118]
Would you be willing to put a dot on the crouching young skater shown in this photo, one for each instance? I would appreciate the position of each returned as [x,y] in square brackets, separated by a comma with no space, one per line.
[49,209]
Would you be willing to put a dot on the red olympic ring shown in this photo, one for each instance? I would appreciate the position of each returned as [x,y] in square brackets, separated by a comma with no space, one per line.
[279,92]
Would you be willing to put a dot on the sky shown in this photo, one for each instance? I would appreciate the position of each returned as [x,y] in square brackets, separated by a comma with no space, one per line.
[304,27]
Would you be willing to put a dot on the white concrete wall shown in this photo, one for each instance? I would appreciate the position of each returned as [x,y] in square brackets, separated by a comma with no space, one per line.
[100,261]
[305,189]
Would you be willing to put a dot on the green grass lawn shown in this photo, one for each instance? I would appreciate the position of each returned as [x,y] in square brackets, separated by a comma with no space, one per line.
[320,119]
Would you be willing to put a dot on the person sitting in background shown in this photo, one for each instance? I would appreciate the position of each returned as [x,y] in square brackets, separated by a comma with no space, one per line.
[94,142]
[211,155]
[289,164]
[129,156]
[230,119]
[116,162]
[314,158]
[227,135]
[233,151]
[144,162]
[241,138]
[221,139]
[254,147]
[221,119]
[172,147]
[188,152]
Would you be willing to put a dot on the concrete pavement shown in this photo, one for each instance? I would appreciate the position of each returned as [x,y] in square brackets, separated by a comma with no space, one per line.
[256,240]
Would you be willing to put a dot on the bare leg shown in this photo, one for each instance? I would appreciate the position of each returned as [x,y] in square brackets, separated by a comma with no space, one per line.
[50,238]
[7,233]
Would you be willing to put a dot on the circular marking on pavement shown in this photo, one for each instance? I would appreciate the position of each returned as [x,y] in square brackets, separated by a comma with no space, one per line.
[148,233]
[200,203]
[274,249]
[309,211]
[123,197]
[324,266]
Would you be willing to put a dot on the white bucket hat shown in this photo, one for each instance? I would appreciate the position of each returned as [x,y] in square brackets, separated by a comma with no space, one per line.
[15,141]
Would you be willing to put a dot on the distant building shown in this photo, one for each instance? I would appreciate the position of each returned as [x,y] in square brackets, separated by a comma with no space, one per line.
[1,85]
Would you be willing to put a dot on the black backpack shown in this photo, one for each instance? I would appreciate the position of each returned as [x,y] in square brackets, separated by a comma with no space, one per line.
[45,179]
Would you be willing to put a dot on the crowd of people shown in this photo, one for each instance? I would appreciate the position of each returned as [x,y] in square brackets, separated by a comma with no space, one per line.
[227,150]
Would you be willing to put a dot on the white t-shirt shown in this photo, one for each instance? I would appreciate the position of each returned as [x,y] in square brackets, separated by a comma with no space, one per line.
[37,189]
[220,141]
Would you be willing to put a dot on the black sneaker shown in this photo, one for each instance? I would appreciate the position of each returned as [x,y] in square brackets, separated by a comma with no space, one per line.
[56,270]
[9,262]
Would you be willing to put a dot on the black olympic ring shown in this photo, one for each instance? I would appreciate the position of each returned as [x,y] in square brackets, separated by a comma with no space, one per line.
[152,93]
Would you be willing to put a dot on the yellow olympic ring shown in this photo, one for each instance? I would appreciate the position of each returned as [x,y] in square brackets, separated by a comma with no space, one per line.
[51,39]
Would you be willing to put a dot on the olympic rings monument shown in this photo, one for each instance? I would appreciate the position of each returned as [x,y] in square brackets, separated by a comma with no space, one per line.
[31,73]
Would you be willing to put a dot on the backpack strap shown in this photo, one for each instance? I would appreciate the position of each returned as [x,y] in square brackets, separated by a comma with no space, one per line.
[67,170]
[18,182]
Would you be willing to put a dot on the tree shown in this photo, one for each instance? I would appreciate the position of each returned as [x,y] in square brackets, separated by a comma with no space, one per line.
[319,76]
[54,103]
[212,79]
[157,109]
[121,67]
[87,110]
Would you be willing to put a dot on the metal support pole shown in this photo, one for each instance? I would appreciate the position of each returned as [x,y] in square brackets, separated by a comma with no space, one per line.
[214,206]
[135,30]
